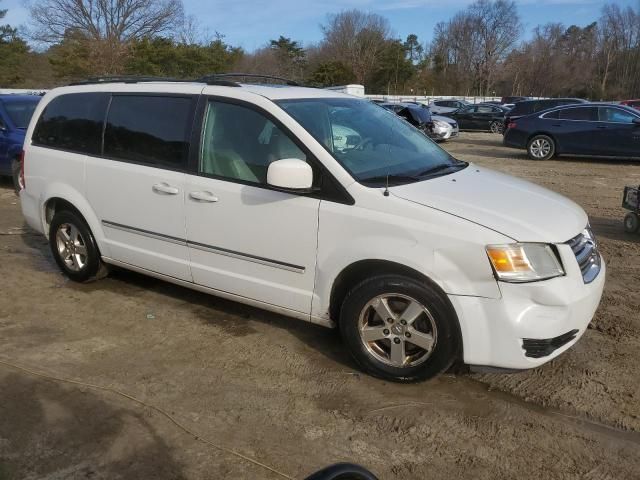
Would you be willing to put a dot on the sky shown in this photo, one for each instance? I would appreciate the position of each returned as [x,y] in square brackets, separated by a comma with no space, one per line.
[252,23]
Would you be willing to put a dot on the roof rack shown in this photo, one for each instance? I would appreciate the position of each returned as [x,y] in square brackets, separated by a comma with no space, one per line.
[142,79]
[220,79]
[217,76]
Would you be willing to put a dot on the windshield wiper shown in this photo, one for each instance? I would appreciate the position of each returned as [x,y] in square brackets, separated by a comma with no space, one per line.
[442,167]
[391,178]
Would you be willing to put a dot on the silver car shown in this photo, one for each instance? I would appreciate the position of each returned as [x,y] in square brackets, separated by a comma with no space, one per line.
[444,128]
[446,106]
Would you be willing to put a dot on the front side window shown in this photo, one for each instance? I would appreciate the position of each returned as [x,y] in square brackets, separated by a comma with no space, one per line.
[21,112]
[239,143]
[73,122]
[579,113]
[371,143]
[615,115]
[152,130]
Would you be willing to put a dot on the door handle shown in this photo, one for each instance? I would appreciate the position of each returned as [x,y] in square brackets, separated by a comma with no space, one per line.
[203,197]
[165,188]
[601,127]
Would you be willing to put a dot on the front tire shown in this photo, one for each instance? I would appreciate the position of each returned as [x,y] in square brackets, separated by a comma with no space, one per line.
[631,222]
[399,329]
[541,147]
[74,248]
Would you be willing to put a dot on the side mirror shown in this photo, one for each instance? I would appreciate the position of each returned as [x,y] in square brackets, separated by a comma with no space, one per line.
[291,175]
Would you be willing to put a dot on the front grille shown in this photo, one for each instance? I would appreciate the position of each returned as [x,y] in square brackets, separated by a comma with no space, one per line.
[585,248]
[538,348]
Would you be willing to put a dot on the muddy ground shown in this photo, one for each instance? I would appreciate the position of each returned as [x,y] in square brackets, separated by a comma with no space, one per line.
[285,393]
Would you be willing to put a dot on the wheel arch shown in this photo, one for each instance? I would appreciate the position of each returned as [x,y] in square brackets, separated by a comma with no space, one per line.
[69,199]
[361,270]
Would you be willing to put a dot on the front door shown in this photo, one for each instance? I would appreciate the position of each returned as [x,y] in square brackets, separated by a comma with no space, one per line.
[244,237]
[138,188]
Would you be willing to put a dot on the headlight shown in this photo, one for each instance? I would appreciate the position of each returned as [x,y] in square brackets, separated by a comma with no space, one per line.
[440,125]
[524,262]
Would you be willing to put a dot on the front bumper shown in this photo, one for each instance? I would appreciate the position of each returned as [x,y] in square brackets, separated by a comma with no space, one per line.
[501,332]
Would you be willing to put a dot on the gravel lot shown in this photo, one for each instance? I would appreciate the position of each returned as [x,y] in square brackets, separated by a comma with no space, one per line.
[283,392]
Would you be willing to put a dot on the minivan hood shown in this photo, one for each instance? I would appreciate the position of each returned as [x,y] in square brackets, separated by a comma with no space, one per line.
[513,207]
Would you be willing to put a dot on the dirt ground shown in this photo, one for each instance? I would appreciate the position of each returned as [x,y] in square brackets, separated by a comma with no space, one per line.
[285,393]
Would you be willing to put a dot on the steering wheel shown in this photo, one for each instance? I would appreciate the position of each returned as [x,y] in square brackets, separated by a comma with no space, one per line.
[363,143]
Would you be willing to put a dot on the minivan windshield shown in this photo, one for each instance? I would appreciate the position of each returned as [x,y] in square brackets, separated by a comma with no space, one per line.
[373,144]
[21,111]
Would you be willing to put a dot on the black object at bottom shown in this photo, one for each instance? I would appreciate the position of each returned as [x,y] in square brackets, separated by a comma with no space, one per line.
[343,471]
[536,348]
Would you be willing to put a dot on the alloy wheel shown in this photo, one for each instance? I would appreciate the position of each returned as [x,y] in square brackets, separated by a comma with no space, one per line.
[71,247]
[540,148]
[397,330]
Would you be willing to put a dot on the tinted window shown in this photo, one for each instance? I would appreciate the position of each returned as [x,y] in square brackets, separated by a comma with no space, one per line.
[73,122]
[616,115]
[21,112]
[579,113]
[523,108]
[149,129]
[240,143]
[484,109]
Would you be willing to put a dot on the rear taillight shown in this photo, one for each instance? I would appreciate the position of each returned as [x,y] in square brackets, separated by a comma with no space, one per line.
[21,160]
[511,125]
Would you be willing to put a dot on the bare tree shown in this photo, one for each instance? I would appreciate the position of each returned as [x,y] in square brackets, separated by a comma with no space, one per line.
[357,39]
[108,26]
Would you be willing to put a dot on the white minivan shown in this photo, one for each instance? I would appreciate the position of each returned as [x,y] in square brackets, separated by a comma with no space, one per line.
[317,205]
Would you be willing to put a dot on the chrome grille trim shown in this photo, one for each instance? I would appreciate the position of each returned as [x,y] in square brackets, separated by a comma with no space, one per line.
[585,248]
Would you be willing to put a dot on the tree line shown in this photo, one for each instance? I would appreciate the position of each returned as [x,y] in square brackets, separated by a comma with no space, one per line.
[481,50]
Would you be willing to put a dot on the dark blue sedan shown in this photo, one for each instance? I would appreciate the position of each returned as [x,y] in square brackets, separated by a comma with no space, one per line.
[596,129]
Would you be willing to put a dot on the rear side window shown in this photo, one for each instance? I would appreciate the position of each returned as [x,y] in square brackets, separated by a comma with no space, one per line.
[524,108]
[579,113]
[149,129]
[73,122]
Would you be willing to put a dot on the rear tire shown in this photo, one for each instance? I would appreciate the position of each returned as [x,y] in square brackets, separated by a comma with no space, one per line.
[15,174]
[541,147]
[416,341]
[495,127]
[631,222]
[74,248]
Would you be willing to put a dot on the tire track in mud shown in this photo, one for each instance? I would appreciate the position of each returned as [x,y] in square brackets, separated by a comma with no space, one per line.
[570,419]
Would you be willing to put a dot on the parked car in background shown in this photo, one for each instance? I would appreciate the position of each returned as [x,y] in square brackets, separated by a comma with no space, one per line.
[480,117]
[444,128]
[605,130]
[512,100]
[418,258]
[443,107]
[631,103]
[15,114]
[414,113]
[438,128]
[527,107]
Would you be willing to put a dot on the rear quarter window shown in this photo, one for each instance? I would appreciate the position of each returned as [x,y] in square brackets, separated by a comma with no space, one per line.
[72,122]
